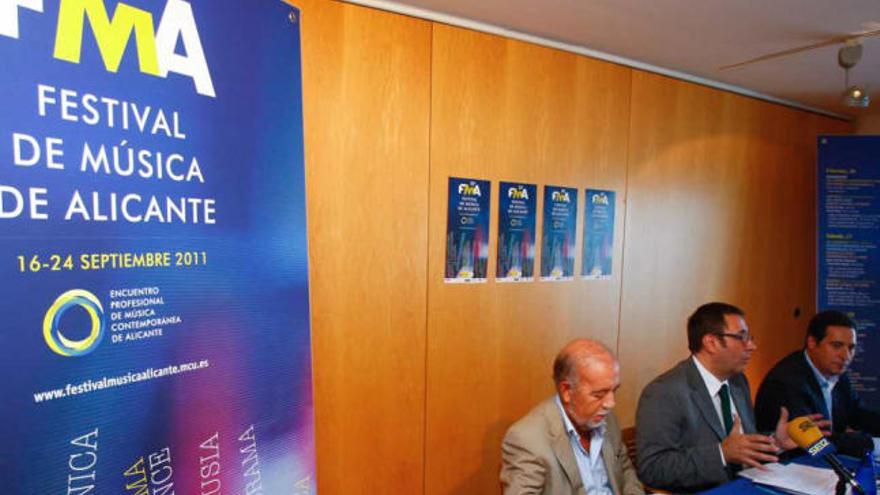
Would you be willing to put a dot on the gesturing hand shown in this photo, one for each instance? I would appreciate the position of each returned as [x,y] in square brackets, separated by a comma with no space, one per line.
[748,450]
[781,435]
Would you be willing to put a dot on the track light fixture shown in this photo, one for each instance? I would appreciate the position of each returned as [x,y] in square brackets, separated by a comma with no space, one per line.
[854,95]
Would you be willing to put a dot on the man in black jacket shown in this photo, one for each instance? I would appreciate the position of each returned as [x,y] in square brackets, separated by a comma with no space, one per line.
[815,380]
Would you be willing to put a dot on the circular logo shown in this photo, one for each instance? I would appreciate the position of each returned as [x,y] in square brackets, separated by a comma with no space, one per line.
[61,344]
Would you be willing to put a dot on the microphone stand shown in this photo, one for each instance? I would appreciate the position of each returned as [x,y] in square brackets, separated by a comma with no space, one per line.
[840,489]
[844,478]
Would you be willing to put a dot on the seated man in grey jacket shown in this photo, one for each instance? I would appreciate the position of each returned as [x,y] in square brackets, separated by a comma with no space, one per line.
[570,443]
[695,426]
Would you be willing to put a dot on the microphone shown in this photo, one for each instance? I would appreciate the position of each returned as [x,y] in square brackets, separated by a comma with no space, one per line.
[809,437]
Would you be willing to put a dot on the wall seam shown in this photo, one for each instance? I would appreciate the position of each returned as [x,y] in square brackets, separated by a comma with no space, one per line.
[626,208]
[428,258]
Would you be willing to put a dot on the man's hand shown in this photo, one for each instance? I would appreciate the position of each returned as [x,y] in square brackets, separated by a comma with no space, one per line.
[784,441]
[748,450]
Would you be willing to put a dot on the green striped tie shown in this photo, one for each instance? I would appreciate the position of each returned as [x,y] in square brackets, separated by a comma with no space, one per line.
[724,394]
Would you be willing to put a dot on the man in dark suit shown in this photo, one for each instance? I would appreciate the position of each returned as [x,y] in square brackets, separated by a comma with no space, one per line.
[815,380]
[695,426]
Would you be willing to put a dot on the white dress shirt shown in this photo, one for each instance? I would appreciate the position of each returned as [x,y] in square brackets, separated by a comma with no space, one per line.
[713,386]
[826,385]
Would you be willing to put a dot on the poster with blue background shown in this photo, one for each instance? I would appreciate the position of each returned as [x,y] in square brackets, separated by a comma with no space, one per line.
[598,245]
[516,232]
[559,233]
[467,230]
[153,249]
[848,274]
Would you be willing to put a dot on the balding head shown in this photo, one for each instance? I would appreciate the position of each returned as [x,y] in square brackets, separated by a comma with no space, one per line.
[580,354]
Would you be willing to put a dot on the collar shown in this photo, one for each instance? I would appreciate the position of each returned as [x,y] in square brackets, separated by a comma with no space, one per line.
[570,430]
[713,384]
[823,381]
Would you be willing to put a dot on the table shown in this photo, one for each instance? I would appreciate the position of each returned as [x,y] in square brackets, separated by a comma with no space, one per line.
[865,474]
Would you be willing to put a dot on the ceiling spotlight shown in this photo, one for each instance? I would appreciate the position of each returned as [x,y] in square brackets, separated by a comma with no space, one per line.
[855,96]
[848,56]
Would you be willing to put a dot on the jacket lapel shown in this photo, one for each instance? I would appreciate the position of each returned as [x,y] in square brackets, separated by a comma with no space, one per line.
[610,462]
[562,447]
[815,389]
[743,408]
[700,397]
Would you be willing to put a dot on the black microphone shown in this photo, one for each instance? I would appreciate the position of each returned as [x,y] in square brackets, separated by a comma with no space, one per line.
[809,437]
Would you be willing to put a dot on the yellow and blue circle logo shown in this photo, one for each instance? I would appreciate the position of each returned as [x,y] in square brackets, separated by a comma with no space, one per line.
[52,333]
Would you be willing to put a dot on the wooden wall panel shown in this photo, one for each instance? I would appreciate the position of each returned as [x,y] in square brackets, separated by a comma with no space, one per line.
[367,101]
[506,110]
[415,380]
[722,207]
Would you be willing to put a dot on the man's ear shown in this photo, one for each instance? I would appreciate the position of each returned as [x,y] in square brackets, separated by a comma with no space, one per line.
[811,342]
[565,391]
[710,343]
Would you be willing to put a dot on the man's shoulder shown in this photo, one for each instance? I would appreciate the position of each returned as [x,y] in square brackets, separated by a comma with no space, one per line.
[675,378]
[537,425]
[740,381]
[789,369]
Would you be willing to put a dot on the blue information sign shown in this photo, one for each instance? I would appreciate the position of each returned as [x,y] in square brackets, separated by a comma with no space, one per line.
[848,238]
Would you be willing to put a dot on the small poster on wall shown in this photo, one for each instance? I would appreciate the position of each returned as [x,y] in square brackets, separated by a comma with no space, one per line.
[516,232]
[558,240]
[598,234]
[467,230]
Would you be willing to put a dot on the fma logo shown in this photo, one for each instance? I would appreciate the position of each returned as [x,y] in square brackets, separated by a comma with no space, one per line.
[518,192]
[561,197]
[469,189]
[599,199]
[155,47]
[52,333]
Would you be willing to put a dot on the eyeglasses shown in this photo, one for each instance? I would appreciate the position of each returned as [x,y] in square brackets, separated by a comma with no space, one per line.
[744,337]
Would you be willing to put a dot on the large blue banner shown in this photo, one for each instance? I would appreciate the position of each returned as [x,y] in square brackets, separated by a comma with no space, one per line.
[153,249]
[848,238]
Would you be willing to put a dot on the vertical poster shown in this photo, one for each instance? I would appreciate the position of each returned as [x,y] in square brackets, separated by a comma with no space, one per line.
[153,249]
[467,230]
[516,232]
[848,274]
[598,234]
[558,239]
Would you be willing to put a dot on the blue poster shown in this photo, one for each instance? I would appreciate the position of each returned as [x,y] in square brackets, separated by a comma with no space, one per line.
[467,230]
[558,239]
[848,238]
[516,232]
[153,249]
[598,234]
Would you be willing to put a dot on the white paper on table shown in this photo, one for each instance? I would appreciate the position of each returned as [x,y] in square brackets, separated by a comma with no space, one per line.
[794,478]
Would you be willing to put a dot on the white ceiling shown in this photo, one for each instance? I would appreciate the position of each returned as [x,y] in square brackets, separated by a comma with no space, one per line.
[698,36]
